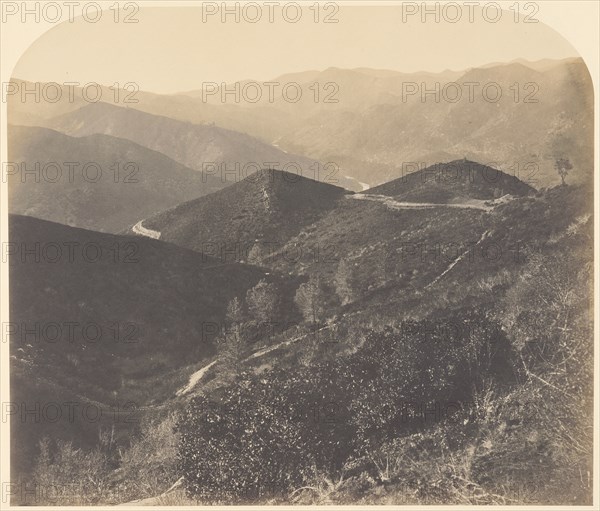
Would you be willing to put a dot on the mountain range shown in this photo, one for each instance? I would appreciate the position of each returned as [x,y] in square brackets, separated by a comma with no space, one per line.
[198,146]
[173,286]
[373,123]
[97,182]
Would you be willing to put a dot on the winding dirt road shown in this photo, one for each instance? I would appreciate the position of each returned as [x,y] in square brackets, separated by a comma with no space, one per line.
[142,231]
[391,203]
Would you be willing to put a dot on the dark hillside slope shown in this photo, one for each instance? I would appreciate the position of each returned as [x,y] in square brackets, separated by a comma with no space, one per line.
[105,320]
[159,294]
[267,208]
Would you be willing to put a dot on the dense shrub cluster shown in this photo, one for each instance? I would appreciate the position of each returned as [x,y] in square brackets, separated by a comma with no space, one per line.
[266,435]
[66,474]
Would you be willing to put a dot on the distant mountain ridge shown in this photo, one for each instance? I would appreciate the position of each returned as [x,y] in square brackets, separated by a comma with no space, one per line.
[379,119]
[194,145]
[374,125]
[124,182]
[540,116]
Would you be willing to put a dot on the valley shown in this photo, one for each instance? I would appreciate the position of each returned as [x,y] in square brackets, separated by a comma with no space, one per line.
[263,306]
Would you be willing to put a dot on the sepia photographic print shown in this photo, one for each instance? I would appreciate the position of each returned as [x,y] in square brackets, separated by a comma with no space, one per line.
[305,254]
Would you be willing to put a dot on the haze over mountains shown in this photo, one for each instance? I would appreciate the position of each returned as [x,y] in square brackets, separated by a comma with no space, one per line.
[193,145]
[97,182]
[375,139]
[371,123]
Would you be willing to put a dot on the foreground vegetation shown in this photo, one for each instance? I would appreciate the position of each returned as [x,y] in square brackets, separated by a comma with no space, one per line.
[478,392]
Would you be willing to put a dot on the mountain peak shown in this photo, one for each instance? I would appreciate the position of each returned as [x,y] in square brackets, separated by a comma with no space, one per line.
[452,182]
[278,177]
[270,205]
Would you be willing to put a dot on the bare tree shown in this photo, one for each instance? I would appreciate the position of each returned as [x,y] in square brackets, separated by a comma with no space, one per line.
[563,166]
[310,299]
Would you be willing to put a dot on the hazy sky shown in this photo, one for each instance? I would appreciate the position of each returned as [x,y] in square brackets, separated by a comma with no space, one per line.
[172,49]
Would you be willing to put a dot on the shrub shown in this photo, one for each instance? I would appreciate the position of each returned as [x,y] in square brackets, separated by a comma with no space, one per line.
[268,435]
[149,465]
